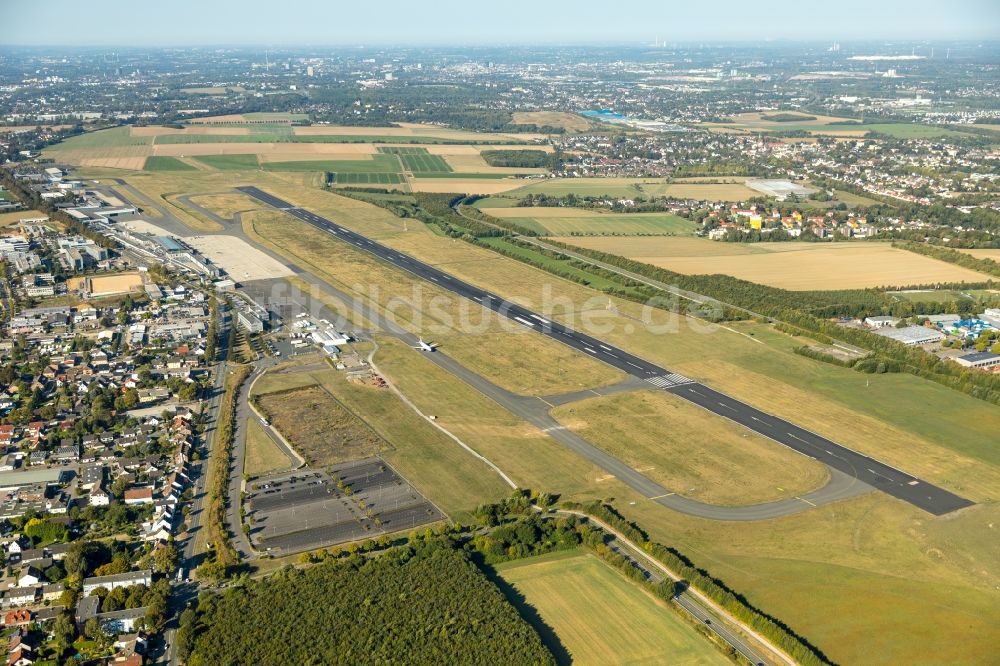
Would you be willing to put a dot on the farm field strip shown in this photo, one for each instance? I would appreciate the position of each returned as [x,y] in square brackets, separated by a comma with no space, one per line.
[795,266]
[561,220]
[368,178]
[154,163]
[599,617]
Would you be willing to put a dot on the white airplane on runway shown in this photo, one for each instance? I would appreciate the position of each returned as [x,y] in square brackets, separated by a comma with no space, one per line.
[425,346]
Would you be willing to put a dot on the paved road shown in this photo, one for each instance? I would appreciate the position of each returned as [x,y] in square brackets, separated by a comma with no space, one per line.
[236,461]
[187,559]
[688,602]
[166,220]
[899,484]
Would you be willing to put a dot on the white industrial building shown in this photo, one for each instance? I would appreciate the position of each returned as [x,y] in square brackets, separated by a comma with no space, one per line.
[979,360]
[912,335]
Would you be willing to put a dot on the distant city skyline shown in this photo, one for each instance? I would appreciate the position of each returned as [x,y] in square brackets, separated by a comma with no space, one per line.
[123,23]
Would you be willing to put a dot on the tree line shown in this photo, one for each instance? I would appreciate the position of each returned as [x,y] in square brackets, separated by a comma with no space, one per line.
[223,555]
[774,629]
[523,159]
[426,603]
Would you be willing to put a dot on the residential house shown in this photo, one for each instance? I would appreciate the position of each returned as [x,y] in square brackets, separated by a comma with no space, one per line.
[127,579]
[20,596]
[139,495]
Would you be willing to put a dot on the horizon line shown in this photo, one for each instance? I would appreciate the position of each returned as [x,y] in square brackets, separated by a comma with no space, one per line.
[663,44]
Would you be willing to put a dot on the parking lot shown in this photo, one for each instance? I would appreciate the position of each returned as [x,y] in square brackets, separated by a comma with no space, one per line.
[351,501]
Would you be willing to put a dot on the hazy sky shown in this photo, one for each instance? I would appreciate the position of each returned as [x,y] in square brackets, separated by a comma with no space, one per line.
[333,22]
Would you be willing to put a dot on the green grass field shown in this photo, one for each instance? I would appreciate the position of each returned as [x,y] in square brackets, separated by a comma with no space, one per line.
[425,164]
[418,160]
[905,130]
[403,150]
[615,187]
[635,223]
[351,178]
[834,572]
[275,136]
[229,162]
[116,136]
[496,202]
[462,175]
[166,164]
[562,265]
[897,130]
[262,454]
[927,296]
[378,164]
[599,617]
[631,187]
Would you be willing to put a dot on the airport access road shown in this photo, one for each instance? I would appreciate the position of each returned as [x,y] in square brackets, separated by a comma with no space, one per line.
[888,479]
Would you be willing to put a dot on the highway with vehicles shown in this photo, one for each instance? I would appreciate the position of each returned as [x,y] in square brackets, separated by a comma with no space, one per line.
[878,475]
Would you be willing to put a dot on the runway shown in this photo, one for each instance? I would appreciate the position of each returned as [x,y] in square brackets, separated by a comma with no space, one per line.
[883,477]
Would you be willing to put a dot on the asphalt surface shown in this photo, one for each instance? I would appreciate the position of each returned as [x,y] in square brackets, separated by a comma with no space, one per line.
[894,482]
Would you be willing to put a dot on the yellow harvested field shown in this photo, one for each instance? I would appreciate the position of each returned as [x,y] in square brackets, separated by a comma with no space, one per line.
[345,151]
[796,266]
[628,187]
[986,253]
[306,150]
[537,212]
[158,130]
[465,186]
[476,164]
[114,157]
[131,163]
[709,191]
[353,130]
[11,219]
[569,121]
[407,129]
[712,179]
[446,149]
[231,118]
